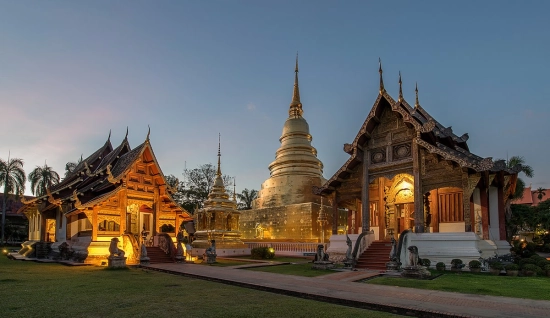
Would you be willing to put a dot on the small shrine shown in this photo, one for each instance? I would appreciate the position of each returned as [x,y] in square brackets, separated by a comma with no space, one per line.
[218,221]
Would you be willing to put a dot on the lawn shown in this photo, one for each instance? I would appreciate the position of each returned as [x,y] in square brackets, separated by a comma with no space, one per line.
[29,289]
[482,283]
[300,269]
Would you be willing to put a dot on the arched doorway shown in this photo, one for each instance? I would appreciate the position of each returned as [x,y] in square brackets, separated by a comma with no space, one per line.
[399,206]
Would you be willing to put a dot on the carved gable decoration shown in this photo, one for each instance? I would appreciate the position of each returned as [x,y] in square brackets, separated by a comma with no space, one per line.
[378,155]
[401,151]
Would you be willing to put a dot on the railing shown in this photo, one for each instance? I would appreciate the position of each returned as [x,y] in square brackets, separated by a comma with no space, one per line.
[289,247]
[167,245]
[363,242]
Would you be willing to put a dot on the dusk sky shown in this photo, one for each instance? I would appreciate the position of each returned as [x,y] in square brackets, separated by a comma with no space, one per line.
[70,71]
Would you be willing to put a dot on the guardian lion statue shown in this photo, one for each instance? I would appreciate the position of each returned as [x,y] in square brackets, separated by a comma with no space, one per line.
[114,250]
[413,256]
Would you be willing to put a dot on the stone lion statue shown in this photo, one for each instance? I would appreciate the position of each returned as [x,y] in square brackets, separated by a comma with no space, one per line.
[321,255]
[113,248]
[413,256]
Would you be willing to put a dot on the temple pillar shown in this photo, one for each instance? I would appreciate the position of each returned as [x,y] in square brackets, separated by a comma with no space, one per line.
[365,206]
[466,202]
[418,195]
[334,214]
[381,210]
[123,208]
[501,214]
[156,209]
[94,222]
[484,202]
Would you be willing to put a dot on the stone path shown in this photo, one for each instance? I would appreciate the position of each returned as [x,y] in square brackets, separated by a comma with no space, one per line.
[338,288]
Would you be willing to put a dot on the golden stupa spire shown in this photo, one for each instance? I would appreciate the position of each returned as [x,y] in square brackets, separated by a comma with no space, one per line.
[400,99]
[234,189]
[416,103]
[219,172]
[382,89]
[295,106]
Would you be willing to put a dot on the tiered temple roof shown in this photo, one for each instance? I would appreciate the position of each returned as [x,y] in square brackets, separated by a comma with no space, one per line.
[100,176]
[430,134]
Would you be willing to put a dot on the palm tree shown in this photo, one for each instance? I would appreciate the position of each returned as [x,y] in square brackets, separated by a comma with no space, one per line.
[12,178]
[246,198]
[540,193]
[42,178]
[526,169]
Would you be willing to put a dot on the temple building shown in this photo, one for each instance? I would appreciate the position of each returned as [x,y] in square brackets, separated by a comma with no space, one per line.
[218,220]
[406,171]
[114,193]
[286,207]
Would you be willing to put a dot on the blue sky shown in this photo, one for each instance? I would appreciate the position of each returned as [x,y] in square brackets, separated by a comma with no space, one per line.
[72,70]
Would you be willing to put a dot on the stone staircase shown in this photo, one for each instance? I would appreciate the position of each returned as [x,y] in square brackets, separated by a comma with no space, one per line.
[157,256]
[376,256]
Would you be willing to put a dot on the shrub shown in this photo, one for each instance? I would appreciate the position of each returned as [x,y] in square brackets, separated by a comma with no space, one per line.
[440,266]
[542,263]
[426,262]
[525,261]
[532,268]
[262,253]
[547,268]
[496,265]
[457,263]
[474,264]
[536,257]
[546,248]
[512,267]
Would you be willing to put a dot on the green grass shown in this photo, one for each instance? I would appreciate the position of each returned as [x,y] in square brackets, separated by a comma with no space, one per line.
[302,269]
[482,284]
[29,289]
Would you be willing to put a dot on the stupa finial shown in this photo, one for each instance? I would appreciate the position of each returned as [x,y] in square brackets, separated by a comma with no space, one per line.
[382,89]
[295,106]
[416,103]
[234,189]
[219,172]
[400,99]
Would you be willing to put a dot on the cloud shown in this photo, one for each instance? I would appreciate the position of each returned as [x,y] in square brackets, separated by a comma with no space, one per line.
[251,107]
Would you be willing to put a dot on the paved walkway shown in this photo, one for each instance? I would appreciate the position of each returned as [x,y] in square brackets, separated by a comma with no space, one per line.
[338,288]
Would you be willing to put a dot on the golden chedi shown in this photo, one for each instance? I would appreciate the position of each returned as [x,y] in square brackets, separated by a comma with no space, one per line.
[286,208]
[218,220]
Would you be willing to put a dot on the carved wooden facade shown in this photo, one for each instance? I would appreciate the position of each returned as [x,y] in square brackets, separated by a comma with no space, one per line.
[414,173]
[112,193]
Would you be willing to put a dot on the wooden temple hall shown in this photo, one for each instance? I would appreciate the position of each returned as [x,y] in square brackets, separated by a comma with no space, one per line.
[114,193]
[408,171]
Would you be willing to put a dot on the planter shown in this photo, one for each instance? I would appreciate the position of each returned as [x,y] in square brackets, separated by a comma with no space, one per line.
[441,269]
[475,270]
[457,270]
[495,272]
[512,273]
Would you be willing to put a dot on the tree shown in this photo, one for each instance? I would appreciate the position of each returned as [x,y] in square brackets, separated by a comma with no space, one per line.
[246,198]
[517,194]
[540,193]
[197,184]
[42,178]
[526,169]
[12,178]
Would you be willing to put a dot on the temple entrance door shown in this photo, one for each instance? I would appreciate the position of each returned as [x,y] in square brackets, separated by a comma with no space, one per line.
[146,224]
[405,216]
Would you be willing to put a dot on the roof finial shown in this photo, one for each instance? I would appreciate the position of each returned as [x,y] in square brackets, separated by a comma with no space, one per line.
[416,103]
[148,133]
[296,106]
[234,189]
[219,172]
[126,137]
[382,89]
[400,88]
[109,138]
